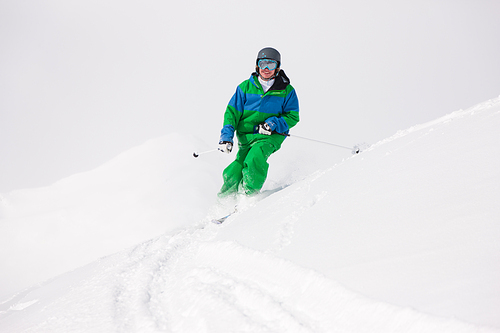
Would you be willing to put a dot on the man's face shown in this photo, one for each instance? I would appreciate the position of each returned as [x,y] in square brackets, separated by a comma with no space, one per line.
[266,73]
[267,68]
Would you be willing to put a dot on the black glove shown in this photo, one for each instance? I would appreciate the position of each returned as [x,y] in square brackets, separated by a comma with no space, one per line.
[225,146]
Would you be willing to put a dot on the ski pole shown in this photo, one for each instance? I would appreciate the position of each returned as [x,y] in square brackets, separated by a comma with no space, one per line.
[195,154]
[355,150]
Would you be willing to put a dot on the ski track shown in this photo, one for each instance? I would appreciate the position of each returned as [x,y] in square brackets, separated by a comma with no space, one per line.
[137,281]
[187,283]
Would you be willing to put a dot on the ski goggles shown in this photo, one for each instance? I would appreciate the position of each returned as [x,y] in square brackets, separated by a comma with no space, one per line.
[266,63]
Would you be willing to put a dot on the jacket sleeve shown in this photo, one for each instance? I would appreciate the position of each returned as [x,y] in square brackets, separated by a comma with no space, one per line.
[232,115]
[290,116]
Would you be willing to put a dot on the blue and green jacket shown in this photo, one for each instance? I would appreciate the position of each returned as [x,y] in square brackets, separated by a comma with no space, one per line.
[250,106]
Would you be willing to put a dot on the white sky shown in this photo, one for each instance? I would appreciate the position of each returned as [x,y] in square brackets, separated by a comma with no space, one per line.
[82,81]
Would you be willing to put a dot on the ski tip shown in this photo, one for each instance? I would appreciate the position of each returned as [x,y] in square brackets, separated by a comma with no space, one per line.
[222,219]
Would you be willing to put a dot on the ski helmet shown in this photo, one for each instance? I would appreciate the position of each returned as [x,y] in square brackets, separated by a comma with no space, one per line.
[269,53]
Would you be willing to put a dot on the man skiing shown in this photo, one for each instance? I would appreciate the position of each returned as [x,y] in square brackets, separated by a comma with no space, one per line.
[262,109]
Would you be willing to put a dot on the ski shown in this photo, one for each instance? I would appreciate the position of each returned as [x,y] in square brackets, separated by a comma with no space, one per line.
[220,220]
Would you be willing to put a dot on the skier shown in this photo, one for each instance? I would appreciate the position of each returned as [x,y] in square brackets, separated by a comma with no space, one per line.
[262,106]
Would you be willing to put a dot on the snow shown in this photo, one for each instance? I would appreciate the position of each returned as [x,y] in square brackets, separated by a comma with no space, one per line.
[402,237]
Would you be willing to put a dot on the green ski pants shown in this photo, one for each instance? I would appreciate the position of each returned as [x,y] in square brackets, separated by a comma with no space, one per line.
[248,171]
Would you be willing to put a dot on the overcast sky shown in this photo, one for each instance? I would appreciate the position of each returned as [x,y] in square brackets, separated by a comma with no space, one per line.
[82,81]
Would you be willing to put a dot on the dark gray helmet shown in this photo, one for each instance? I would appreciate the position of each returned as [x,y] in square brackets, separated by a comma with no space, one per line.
[269,53]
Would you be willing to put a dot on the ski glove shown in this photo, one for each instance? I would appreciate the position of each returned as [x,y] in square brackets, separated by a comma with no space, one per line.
[225,146]
[264,128]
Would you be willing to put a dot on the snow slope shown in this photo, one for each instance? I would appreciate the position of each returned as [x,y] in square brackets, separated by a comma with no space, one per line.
[400,238]
[134,197]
